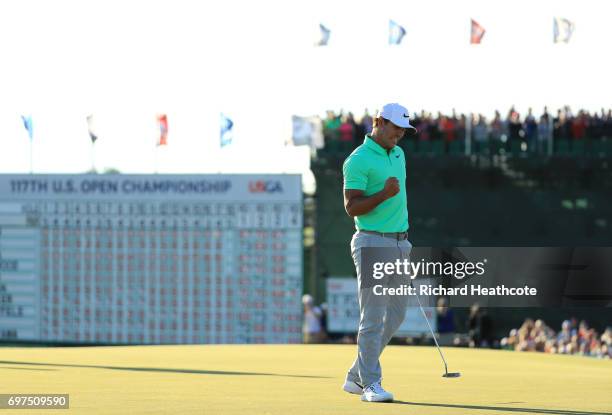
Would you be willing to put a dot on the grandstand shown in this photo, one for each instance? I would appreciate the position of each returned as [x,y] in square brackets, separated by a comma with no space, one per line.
[498,196]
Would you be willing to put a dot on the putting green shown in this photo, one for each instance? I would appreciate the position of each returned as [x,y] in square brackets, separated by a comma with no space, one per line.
[300,379]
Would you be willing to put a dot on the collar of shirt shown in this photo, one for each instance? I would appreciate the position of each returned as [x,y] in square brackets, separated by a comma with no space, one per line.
[373,145]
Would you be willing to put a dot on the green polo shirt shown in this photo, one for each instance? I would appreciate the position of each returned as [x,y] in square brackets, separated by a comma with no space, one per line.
[367,169]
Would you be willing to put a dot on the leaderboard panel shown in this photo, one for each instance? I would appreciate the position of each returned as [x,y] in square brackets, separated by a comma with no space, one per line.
[151,259]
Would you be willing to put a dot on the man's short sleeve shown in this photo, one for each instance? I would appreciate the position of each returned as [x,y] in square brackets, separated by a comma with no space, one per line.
[355,173]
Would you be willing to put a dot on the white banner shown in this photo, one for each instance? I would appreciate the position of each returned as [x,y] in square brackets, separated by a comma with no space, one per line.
[343,311]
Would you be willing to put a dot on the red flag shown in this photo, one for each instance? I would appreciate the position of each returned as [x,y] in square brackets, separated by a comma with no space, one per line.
[477,33]
[163,130]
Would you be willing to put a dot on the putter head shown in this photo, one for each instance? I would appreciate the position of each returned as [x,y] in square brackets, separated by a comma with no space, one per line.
[451,375]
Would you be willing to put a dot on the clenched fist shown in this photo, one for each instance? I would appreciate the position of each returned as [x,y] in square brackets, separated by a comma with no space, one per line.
[391,187]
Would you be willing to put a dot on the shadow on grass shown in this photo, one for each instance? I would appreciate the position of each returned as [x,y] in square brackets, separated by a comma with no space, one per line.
[24,368]
[504,409]
[163,370]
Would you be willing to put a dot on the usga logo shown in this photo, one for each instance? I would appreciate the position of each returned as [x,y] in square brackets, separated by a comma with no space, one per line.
[265,186]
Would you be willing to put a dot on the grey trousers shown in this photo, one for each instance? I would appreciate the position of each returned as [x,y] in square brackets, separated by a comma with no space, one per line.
[379,319]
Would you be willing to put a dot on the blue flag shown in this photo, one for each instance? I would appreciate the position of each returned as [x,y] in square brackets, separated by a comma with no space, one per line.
[396,33]
[27,123]
[323,36]
[227,134]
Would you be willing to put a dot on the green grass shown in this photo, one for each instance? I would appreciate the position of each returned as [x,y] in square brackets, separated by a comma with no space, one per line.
[299,379]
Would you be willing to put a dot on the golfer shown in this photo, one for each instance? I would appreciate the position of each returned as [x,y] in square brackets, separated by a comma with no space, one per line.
[375,196]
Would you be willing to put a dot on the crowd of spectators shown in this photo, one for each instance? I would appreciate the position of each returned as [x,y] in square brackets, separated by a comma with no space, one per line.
[533,336]
[343,132]
[574,338]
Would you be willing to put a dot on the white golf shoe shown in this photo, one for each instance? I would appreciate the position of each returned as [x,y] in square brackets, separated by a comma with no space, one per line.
[352,387]
[376,393]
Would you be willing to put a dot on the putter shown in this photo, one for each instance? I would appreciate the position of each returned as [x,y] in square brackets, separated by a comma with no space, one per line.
[446,374]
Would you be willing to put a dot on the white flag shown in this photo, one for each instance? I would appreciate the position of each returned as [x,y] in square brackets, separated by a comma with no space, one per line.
[91,128]
[562,30]
[307,131]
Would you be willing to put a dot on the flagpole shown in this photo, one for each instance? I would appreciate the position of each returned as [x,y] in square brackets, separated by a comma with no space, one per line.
[163,137]
[156,150]
[549,139]
[31,169]
[93,157]
[27,123]
[93,137]
[468,135]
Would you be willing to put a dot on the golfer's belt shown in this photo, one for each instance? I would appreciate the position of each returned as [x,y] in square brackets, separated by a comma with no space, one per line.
[398,236]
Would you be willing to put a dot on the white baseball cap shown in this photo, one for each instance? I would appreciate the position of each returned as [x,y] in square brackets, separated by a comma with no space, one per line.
[307,299]
[398,115]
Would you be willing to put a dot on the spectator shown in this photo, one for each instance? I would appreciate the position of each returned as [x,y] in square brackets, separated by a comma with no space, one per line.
[480,133]
[445,317]
[565,334]
[323,320]
[331,133]
[360,131]
[311,329]
[567,124]
[422,124]
[460,125]
[531,130]
[510,342]
[366,122]
[347,134]
[606,337]
[479,327]
[544,131]
[497,129]
[573,325]
[593,127]
[515,130]
[579,126]
[448,128]
[558,130]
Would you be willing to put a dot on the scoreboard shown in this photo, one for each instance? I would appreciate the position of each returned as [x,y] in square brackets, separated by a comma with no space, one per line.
[151,259]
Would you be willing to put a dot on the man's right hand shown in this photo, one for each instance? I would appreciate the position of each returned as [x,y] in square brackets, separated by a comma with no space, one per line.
[391,187]
[356,204]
